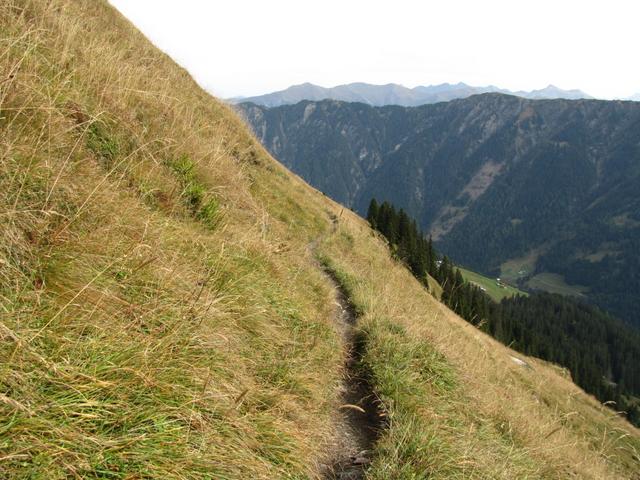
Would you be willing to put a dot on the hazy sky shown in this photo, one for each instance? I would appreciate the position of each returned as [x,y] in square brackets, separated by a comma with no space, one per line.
[243,47]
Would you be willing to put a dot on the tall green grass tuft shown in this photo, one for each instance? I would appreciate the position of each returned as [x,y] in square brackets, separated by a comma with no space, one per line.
[201,204]
[101,143]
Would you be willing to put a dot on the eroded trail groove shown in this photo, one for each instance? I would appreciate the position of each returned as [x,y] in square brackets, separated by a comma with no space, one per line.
[361,419]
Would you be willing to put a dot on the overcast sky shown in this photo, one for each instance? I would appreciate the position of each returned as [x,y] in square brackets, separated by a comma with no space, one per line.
[243,47]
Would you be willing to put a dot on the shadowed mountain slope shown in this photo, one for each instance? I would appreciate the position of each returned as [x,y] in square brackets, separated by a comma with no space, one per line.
[543,193]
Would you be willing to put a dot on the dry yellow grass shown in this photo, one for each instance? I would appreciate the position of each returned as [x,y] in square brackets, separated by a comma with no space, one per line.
[161,315]
[157,319]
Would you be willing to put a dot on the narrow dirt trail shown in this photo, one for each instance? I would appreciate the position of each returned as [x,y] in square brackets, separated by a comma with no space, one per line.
[360,417]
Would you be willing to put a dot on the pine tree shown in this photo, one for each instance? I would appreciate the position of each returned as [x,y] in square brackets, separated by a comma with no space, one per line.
[373,213]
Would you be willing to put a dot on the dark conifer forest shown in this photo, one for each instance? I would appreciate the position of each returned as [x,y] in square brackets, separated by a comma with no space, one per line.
[601,352]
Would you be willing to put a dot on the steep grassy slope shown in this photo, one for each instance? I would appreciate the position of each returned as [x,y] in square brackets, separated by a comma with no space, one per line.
[157,320]
[162,316]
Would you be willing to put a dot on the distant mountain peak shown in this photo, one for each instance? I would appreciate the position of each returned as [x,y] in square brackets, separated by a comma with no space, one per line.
[396,94]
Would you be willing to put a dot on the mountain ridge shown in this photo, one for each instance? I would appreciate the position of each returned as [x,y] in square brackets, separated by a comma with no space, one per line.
[395,94]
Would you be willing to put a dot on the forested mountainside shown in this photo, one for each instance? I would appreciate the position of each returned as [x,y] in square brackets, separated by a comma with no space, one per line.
[171,298]
[543,193]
